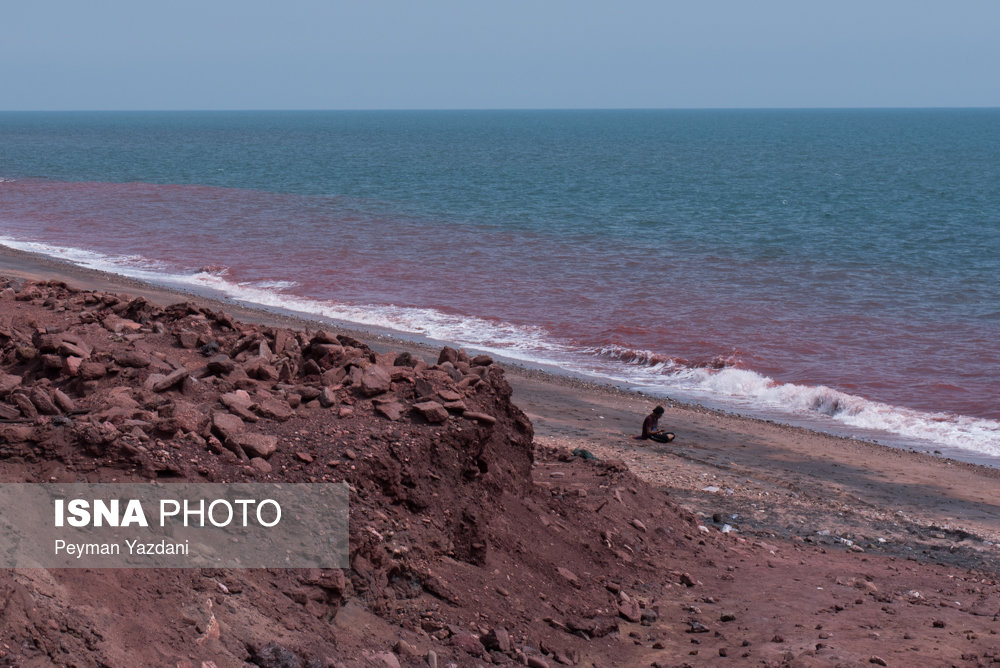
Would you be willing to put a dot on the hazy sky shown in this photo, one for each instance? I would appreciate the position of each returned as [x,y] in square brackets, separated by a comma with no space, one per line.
[419,54]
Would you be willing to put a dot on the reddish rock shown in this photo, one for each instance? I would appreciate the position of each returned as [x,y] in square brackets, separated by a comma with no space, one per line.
[25,405]
[8,382]
[117,325]
[328,398]
[450,395]
[390,409]
[53,362]
[432,411]
[256,445]
[375,380]
[91,370]
[71,366]
[479,417]
[569,576]
[629,610]
[274,409]
[17,433]
[43,402]
[240,404]
[220,365]
[226,425]
[187,339]
[261,465]
[131,358]
[448,354]
[469,644]
[497,639]
[174,378]
[334,376]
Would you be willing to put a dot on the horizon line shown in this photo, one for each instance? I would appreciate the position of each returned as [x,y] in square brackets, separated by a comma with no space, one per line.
[493,109]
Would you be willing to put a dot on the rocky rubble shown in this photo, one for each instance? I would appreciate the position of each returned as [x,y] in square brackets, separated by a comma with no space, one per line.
[101,387]
[470,545]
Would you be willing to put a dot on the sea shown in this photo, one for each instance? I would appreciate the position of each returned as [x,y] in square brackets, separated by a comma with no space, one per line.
[834,269]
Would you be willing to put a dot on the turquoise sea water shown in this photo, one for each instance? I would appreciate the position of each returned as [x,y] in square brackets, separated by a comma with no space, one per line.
[837,268]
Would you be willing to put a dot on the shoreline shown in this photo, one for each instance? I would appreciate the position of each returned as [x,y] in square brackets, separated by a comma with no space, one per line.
[719,459]
[38,266]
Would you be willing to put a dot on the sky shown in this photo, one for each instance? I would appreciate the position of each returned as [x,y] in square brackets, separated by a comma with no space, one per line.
[474,54]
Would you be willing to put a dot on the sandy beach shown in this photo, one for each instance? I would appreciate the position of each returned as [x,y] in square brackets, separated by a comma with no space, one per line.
[779,520]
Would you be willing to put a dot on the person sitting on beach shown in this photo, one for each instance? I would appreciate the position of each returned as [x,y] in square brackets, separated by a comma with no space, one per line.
[651,428]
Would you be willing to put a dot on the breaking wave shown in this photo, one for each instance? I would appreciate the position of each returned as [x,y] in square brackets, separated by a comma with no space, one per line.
[719,381]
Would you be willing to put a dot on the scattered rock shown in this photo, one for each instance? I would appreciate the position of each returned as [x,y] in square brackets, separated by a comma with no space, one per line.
[432,411]
[479,417]
[375,380]
[256,445]
[174,378]
[390,409]
[227,425]
[131,358]
[568,575]
[497,639]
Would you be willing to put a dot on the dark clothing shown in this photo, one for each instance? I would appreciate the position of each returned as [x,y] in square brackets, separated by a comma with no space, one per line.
[651,430]
[649,425]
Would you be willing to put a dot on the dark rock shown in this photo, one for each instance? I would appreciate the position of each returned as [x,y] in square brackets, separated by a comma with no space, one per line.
[406,359]
[273,655]
[694,626]
[497,639]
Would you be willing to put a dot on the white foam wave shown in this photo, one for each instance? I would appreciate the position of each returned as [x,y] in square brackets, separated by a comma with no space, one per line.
[713,383]
[749,390]
[275,285]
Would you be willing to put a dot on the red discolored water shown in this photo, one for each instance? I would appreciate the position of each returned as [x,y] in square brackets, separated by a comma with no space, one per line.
[703,324]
